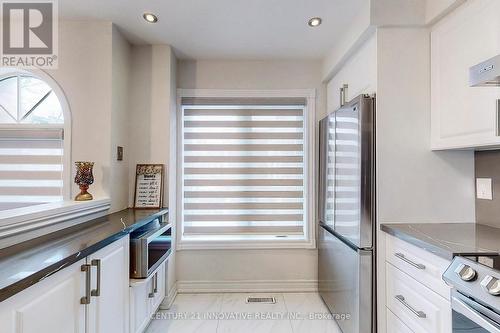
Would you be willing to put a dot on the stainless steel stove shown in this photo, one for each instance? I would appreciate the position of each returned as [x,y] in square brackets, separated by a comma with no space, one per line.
[475,297]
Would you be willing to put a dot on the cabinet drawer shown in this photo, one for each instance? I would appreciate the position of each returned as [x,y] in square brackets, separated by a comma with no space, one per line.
[418,307]
[394,325]
[422,265]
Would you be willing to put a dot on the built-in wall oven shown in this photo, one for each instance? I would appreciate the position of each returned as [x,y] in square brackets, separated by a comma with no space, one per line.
[150,246]
[475,297]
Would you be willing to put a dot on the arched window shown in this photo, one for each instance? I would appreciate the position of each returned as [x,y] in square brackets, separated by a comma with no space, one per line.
[32,147]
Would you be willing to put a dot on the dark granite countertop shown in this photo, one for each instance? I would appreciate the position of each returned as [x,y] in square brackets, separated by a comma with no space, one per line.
[27,263]
[448,240]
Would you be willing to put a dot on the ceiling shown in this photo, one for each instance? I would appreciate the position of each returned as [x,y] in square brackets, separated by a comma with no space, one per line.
[225,29]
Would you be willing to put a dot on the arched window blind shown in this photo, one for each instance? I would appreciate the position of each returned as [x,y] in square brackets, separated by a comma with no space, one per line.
[31,143]
[243,166]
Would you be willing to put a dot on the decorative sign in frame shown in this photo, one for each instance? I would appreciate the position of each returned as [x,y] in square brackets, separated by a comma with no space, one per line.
[148,186]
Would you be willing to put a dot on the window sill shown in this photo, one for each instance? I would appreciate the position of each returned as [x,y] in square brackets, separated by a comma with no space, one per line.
[22,220]
[244,242]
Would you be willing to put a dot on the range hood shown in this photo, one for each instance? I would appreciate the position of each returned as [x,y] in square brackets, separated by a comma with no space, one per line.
[485,74]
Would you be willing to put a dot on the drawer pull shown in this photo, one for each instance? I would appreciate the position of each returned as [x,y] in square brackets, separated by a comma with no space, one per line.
[86,299]
[419,314]
[408,261]
[97,292]
[154,287]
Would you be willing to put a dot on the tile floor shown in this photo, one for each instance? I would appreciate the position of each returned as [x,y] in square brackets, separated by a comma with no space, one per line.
[227,313]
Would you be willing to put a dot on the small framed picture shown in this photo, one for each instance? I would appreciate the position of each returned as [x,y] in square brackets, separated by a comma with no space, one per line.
[149,186]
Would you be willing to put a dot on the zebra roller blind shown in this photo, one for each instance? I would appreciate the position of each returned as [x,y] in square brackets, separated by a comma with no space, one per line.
[243,166]
[31,167]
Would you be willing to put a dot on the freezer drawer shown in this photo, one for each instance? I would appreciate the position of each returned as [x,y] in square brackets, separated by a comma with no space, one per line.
[346,283]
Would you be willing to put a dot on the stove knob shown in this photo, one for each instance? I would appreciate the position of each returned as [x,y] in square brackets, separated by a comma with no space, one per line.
[492,285]
[465,272]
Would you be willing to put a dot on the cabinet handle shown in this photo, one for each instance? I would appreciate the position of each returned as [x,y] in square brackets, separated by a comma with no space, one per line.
[86,299]
[408,261]
[497,120]
[153,287]
[343,94]
[419,314]
[97,292]
[155,290]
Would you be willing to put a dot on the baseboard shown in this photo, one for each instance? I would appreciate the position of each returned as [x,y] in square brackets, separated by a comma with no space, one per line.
[170,298]
[186,287]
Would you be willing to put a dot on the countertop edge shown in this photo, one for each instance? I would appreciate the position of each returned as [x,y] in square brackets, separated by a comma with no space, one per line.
[396,230]
[38,276]
[434,249]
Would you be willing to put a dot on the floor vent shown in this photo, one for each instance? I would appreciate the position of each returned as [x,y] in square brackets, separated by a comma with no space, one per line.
[265,300]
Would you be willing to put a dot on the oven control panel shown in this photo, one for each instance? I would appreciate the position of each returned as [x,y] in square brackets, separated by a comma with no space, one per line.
[474,280]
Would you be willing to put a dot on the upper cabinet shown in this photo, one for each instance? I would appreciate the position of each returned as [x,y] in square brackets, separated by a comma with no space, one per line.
[359,73]
[464,116]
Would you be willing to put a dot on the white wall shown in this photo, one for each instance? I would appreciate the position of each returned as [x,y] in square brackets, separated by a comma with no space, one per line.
[93,73]
[152,126]
[119,172]
[84,74]
[251,269]
[414,184]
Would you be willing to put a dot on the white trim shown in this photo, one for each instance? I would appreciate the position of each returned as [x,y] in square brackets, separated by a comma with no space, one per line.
[23,220]
[227,93]
[169,298]
[309,172]
[237,286]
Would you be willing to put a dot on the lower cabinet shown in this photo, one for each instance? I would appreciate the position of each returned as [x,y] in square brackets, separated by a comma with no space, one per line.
[146,296]
[394,325]
[89,296]
[50,306]
[417,299]
[108,309]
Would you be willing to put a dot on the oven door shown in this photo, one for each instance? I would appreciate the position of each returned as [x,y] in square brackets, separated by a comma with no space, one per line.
[472,317]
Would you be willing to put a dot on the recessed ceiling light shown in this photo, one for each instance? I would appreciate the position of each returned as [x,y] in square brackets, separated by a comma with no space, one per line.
[314,22]
[150,17]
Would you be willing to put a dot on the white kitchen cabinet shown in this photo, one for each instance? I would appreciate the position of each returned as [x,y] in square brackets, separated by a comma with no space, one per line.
[417,306]
[394,325]
[50,306]
[359,73]
[423,266]
[146,296]
[109,311]
[416,297]
[463,116]
[54,305]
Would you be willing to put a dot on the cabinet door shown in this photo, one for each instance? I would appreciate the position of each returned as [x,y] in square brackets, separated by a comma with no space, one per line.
[108,310]
[50,306]
[160,287]
[140,304]
[463,116]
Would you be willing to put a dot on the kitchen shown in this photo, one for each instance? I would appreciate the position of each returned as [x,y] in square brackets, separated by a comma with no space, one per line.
[336,175]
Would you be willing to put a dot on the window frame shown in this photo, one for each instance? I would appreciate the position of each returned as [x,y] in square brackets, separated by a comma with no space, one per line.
[308,240]
[66,126]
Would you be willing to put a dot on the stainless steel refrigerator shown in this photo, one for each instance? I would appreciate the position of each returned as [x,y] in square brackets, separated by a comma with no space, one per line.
[346,239]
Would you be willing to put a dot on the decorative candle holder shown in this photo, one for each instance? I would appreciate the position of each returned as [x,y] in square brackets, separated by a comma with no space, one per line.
[84,178]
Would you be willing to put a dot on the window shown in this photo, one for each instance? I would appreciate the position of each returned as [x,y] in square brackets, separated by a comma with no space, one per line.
[31,142]
[245,169]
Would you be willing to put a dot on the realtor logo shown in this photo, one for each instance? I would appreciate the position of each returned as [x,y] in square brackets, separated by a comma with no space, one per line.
[29,34]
